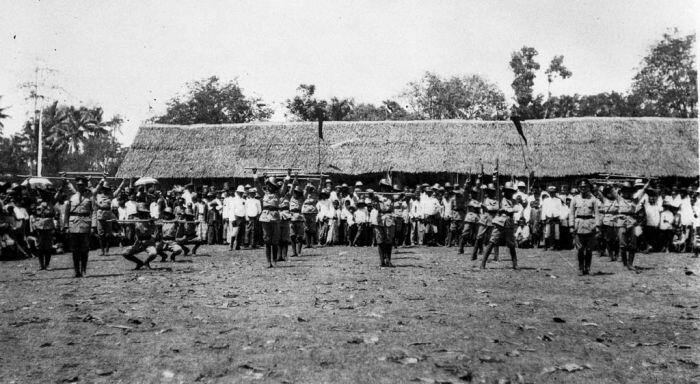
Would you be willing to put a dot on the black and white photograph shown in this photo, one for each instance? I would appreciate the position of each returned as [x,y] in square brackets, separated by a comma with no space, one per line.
[362,191]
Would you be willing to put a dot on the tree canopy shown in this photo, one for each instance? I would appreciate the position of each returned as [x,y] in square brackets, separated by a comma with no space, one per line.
[209,101]
[666,84]
[458,97]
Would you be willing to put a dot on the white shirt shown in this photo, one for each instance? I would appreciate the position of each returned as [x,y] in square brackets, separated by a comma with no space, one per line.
[130,207]
[187,195]
[551,207]
[686,212]
[429,206]
[324,208]
[233,206]
[253,207]
[653,213]
[361,215]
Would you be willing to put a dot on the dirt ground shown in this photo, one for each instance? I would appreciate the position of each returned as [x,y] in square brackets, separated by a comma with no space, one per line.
[334,316]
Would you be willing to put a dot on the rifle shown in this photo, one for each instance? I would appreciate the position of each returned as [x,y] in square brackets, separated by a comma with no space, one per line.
[498,187]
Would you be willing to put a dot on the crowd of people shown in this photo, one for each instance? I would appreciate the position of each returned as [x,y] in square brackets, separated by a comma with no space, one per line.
[613,219]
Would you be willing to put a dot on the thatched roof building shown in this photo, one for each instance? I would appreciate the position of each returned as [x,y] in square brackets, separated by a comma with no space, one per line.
[658,147]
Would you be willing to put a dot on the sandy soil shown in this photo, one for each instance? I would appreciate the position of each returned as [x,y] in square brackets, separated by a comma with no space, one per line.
[333,316]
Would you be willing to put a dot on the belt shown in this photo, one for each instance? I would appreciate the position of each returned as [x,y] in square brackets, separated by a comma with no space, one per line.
[585,217]
[80,215]
[270,208]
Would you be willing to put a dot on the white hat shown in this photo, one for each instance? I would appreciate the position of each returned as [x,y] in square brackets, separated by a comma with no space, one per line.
[240,189]
[521,184]
[358,184]
[509,185]
[639,183]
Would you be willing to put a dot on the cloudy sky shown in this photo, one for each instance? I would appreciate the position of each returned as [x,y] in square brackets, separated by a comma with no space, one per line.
[130,57]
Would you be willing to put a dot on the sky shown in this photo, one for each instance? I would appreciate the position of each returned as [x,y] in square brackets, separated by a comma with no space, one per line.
[130,57]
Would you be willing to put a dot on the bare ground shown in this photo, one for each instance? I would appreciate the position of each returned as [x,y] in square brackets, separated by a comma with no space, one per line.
[333,316]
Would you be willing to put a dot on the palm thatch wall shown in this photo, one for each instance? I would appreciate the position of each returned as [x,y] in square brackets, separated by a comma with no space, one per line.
[656,147]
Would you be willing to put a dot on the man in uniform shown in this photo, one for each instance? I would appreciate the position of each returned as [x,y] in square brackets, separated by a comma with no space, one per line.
[626,222]
[471,221]
[144,231]
[583,219]
[79,223]
[503,229]
[489,208]
[296,227]
[103,214]
[457,202]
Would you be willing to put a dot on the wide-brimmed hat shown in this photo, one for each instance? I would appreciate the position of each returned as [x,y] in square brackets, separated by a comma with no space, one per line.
[448,185]
[297,189]
[271,182]
[384,182]
[509,186]
[253,190]
[142,207]
[551,188]
[358,184]
[639,183]
[626,185]
[240,189]
[584,183]
[370,190]
[490,187]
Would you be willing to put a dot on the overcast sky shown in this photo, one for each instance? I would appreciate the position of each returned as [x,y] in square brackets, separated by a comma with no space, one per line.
[130,57]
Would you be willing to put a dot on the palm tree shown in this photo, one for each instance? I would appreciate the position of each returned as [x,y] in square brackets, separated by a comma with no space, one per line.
[3,116]
[74,127]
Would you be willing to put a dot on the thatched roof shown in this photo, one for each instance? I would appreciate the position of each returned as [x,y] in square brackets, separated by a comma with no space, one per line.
[656,147]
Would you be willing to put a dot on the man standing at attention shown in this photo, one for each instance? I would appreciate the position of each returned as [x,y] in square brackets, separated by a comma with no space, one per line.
[79,223]
[583,220]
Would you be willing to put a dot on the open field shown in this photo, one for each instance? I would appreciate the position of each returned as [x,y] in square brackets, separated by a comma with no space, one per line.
[333,316]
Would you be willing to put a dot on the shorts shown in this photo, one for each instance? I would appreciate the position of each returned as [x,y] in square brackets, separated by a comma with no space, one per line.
[585,241]
[502,236]
[270,232]
[44,239]
[148,246]
[383,234]
[310,223]
[296,230]
[104,228]
[284,232]
[168,246]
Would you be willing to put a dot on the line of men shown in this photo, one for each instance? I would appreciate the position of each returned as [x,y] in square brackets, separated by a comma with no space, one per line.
[479,215]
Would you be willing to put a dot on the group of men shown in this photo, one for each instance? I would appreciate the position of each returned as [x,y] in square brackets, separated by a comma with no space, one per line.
[614,219]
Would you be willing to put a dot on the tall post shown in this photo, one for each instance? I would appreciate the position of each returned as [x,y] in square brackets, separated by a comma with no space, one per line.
[40,141]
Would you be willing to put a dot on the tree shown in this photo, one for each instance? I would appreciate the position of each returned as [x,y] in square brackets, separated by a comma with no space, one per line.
[524,67]
[305,106]
[208,101]
[666,83]
[340,109]
[3,116]
[459,97]
[74,138]
[556,69]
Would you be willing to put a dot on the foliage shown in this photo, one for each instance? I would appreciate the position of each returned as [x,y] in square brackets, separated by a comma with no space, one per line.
[305,106]
[666,84]
[74,138]
[13,159]
[524,67]
[209,101]
[459,97]
[3,115]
